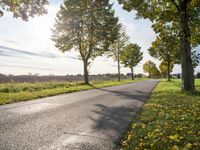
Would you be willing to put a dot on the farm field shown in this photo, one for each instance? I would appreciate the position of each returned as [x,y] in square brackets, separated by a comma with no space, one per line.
[169,120]
[14,92]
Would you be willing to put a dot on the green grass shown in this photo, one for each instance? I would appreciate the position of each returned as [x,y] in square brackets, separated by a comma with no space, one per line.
[170,120]
[14,92]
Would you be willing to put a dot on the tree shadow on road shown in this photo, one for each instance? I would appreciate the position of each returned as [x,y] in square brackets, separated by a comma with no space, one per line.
[114,122]
[135,94]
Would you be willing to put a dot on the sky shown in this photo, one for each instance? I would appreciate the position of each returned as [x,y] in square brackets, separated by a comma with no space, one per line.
[26,47]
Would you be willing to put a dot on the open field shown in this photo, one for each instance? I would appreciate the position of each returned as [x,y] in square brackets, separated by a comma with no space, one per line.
[61,78]
[14,92]
[169,120]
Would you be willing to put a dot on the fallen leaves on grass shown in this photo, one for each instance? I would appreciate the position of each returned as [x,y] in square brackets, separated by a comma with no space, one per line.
[169,121]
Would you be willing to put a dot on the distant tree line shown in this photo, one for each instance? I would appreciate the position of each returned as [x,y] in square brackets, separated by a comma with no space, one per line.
[163,71]
[65,78]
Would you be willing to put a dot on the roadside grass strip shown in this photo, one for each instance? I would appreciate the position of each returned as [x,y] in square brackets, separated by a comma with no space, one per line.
[15,92]
[170,120]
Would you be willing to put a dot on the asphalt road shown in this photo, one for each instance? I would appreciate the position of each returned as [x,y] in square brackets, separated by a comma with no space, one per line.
[88,120]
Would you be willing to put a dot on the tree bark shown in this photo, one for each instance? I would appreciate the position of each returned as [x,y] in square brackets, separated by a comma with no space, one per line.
[168,71]
[118,66]
[185,46]
[85,71]
[132,74]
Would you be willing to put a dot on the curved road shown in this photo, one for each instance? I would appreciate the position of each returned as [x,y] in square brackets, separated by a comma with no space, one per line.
[87,120]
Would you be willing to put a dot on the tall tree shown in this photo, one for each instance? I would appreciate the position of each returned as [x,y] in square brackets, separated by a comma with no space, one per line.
[150,68]
[131,56]
[165,70]
[183,14]
[165,48]
[88,26]
[23,8]
[116,48]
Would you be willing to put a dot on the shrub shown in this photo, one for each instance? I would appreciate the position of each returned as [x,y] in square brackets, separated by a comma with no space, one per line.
[198,75]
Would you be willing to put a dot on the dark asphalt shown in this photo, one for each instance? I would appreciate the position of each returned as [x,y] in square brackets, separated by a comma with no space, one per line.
[88,120]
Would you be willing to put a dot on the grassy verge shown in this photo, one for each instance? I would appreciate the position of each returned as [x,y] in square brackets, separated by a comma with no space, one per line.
[170,119]
[14,92]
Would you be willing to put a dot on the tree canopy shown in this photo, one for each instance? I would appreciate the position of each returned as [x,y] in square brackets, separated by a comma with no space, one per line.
[131,56]
[86,26]
[23,8]
[150,68]
[164,70]
[116,48]
[119,43]
[165,48]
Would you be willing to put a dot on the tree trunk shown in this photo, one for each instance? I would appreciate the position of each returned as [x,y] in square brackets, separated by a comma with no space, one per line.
[132,74]
[118,65]
[168,71]
[187,68]
[119,77]
[86,75]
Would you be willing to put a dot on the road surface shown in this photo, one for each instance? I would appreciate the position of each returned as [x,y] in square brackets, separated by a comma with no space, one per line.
[87,120]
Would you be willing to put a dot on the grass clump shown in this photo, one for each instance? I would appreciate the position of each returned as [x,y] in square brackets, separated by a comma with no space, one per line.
[14,92]
[170,120]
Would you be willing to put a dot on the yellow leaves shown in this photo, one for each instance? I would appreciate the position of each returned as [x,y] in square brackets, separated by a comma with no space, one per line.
[189,132]
[174,137]
[149,134]
[194,3]
[134,125]
[141,145]
[140,125]
[179,128]
[157,130]
[124,144]
[143,126]
[198,133]
[129,137]
[189,145]
[175,147]
[152,144]
[192,125]
[195,114]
